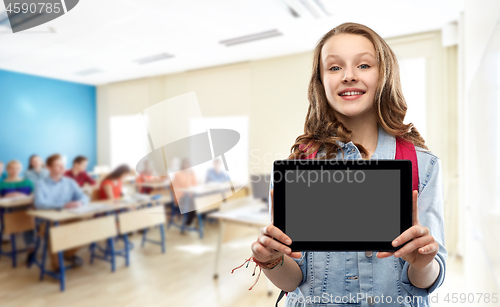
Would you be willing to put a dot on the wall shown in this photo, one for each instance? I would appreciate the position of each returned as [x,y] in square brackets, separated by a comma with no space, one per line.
[46,116]
[258,89]
[478,112]
[261,89]
[441,113]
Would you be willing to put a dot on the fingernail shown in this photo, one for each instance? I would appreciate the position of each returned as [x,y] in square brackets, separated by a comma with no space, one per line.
[396,254]
[287,250]
[288,241]
[421,250]
[395,243]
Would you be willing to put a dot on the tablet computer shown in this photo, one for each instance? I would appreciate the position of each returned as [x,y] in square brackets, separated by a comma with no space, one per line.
[342,205]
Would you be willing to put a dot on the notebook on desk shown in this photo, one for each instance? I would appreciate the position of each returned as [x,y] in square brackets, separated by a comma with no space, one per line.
[90,208]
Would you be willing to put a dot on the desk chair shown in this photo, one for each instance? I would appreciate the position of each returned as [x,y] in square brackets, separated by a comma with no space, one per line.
[174,211]
[95,195]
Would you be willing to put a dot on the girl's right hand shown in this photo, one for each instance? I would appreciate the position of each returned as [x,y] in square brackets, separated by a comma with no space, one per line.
[266,248]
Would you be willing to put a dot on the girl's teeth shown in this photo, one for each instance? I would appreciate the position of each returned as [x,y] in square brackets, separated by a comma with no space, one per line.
[351,93]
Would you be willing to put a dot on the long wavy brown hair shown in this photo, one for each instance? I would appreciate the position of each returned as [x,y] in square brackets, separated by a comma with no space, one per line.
[323,128]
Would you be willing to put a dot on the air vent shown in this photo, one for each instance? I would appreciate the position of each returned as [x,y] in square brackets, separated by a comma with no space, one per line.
[300,8]
[251,37]
[87,72]
[293,12]
[154,58]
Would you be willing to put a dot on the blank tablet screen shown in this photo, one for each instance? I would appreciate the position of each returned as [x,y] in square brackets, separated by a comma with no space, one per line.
[342,205]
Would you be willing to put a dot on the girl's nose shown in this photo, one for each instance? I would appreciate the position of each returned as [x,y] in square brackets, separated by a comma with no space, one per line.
[349,76]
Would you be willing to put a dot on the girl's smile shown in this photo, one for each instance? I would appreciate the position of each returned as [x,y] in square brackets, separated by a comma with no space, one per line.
[351,93]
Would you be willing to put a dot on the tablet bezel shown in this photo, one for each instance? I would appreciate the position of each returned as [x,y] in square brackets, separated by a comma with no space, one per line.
[406,204]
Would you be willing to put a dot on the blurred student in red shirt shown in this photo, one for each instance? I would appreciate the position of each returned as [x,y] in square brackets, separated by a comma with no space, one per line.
[79,172]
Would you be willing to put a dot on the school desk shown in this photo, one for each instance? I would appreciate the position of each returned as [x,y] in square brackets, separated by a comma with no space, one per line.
[13,219]
[212,187]
[155,186]
[207,197]
[86,227]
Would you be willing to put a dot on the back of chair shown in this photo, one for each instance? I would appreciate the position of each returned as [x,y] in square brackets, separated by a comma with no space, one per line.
[229,195]
[140,219]
[95,194]
[82,232]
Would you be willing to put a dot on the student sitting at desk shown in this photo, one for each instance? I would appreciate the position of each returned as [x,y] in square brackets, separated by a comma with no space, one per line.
[78,172]
[3,174]
[35,170]
[15,186]
[57,192]
[111,185]
[146,176]
[185,178]
[217,174]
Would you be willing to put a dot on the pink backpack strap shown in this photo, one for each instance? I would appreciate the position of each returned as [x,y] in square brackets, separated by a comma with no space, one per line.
[406,151]
[304,148]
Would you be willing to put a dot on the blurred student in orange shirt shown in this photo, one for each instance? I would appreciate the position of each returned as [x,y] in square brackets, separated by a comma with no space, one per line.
[185,178]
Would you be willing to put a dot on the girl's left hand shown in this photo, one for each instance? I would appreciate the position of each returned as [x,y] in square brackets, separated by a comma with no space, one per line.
[422,249]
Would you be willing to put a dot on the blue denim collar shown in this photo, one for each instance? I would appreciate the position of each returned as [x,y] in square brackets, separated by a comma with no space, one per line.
[386,145]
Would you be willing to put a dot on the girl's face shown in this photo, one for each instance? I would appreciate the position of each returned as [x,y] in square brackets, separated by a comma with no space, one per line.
[13,170]
[36,162]
[348,62]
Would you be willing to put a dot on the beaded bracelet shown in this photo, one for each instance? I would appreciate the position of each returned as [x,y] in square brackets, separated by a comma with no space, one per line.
[262,265]
[271,265]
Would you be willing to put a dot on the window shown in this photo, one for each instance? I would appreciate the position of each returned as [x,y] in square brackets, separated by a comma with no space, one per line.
[128,143]
[412,73]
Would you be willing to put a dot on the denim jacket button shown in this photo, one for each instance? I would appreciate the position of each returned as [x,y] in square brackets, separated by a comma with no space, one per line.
[369,254]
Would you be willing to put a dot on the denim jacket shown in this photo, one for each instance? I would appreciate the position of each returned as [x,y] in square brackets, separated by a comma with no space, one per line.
[360,278]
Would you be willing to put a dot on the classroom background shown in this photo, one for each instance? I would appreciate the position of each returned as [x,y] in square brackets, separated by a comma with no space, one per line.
[71,90]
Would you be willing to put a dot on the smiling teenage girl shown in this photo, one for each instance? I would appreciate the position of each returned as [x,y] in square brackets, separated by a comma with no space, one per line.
[356,110]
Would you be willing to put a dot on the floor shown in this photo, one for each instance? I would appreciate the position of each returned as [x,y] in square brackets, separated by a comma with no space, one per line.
[183,276]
